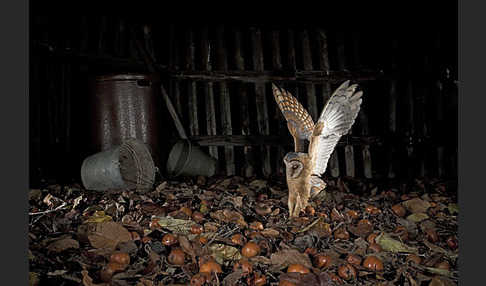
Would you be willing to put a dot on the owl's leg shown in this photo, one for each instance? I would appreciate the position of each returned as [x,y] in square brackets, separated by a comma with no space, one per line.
[295,204]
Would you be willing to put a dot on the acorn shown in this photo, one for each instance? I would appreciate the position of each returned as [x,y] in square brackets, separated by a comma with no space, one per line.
[176,256]
[353,259]
[187,211]
[322,260]
[347,272]
[452,242]
[250,249]
[238,239]
[210,267]
[373,263]
[169,239]
[298,268]
[399,210]
[352,214]
[198,279]
[120,258]
[310,210]
[197,216]
[197,229]
[256,225]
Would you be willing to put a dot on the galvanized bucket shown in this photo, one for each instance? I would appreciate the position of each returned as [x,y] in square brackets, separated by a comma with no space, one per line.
[186,159]
[128,166]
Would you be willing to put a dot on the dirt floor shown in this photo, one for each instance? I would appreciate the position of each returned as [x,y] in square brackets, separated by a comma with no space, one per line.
[235,231]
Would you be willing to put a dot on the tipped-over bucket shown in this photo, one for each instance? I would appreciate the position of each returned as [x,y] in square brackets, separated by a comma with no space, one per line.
[186,159]
[125,167]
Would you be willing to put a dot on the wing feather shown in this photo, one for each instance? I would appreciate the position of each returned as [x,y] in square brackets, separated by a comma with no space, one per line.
[299,121]
[336,119]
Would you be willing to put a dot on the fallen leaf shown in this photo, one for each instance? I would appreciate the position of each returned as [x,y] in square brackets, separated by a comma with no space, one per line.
[390,244]
[34,279]
[439,271]
[221,252]
[285,257]
[108,235]
[233,277]
[228,215]
[270,233]
[258,184]
[417,217]
[416,205]
[62,244]
[175,225]
[453,208]
[439,249]
[98,216]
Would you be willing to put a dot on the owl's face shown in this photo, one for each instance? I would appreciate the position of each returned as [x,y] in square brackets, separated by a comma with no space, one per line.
[297,172]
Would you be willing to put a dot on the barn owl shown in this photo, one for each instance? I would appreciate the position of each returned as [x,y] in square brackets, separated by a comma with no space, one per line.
[303,170]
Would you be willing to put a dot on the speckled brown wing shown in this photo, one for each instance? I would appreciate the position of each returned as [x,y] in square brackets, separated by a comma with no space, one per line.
[299,121]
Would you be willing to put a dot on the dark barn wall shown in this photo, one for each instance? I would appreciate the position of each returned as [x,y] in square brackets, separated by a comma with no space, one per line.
[218,77]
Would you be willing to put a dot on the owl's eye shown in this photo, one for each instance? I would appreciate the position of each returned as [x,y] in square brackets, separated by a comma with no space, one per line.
[295,167]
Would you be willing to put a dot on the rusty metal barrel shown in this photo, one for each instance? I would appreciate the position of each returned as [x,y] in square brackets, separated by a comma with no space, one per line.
[124,106]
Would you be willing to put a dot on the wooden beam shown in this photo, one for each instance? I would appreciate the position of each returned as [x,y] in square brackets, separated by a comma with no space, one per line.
[261,101]
[208,90]
[224,99]
[275,140]
[174,64]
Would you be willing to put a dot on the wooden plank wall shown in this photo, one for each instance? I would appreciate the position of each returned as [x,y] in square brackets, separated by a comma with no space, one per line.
[236,117]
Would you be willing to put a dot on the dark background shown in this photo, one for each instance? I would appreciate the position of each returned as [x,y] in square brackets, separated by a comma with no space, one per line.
[67,50]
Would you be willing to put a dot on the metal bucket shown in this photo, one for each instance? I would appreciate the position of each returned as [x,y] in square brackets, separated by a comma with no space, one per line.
[125,167]
[186,159]
[124,106]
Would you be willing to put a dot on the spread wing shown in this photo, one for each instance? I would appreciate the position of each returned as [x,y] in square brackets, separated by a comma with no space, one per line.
[299,121]
[336,120]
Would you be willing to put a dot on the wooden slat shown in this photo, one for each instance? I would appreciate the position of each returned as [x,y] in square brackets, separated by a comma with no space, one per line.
[363,116]
[191,89]
[348,149]
[309,87]
[102,35]
[248,168]
[392,126]
[326,94]
[224,99]
[120,38]
[147,36]
[261,101]
[173,63]
[282,130]
[208,90]
[410,130]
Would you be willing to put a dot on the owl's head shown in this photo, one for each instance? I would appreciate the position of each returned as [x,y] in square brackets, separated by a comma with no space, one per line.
[295,163]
